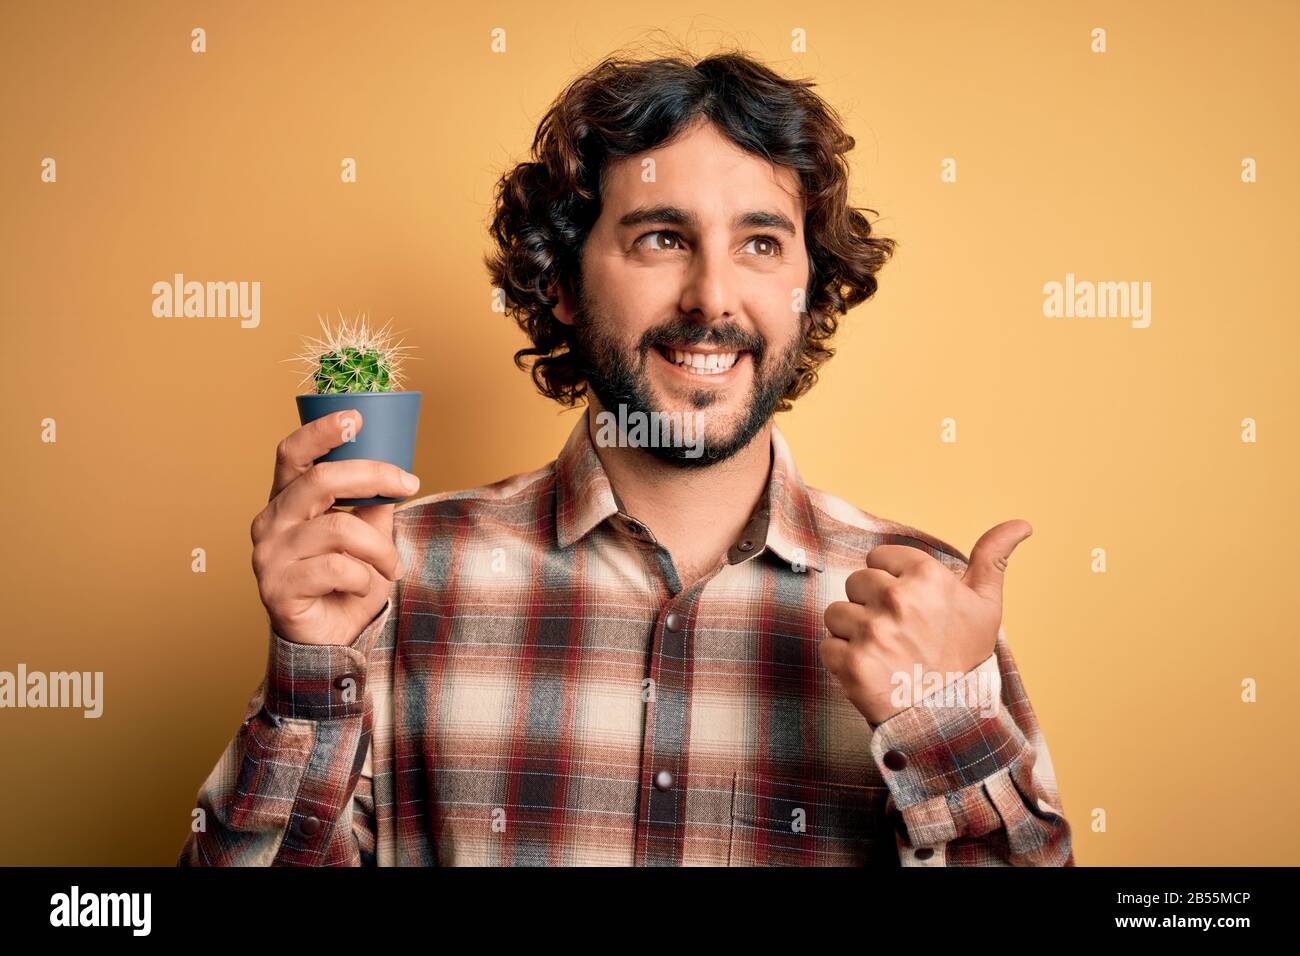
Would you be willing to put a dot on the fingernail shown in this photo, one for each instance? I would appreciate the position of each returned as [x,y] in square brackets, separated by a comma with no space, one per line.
[409,481]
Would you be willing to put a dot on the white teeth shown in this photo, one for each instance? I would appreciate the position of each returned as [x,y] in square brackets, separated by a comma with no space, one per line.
[703,363]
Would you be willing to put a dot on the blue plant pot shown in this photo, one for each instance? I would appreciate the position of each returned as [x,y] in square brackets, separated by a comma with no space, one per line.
[388,429]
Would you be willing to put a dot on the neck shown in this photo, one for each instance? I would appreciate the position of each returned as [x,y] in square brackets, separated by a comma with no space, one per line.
[696,513]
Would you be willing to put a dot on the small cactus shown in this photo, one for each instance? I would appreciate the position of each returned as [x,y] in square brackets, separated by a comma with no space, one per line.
[352,370]
[351,358]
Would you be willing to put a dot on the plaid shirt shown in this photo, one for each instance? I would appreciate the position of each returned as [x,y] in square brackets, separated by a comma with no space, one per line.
[540,690]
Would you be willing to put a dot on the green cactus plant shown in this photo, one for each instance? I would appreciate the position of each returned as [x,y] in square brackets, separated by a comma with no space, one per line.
[352,370]
[351,357]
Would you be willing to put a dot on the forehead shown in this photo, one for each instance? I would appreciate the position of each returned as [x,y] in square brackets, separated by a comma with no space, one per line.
[703,170]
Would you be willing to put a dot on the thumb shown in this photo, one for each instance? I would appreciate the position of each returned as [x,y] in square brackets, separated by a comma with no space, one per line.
[988,559]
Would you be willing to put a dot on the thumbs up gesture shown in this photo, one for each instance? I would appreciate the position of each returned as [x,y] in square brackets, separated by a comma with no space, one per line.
[905,608]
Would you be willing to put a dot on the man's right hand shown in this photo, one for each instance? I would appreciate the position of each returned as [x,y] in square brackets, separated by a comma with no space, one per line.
[323,573]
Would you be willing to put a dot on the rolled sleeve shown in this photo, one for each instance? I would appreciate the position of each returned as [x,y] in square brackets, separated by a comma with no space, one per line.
[960,768]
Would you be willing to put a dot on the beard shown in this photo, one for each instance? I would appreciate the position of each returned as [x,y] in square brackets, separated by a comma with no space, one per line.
[617,376]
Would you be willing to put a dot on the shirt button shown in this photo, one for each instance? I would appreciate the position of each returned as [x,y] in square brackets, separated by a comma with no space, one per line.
[311,826]
[746,545]
[895,759]
[924,853]
[674,621]
[663,780]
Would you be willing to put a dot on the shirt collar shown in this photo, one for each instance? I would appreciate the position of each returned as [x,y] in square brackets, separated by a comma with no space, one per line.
[583,496]
[784,520]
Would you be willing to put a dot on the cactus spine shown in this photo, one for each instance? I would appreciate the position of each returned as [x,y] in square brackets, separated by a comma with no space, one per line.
[351,357]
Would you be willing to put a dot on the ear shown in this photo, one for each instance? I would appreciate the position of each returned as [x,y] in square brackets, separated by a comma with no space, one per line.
[563,308]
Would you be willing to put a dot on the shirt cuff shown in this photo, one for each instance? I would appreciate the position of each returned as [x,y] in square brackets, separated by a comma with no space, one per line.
[936,755]
[320,681]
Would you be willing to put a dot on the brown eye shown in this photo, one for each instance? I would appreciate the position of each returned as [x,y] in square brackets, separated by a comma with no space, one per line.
[773,244]
[661,232]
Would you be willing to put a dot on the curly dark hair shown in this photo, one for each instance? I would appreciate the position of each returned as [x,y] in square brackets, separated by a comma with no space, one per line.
[544,209]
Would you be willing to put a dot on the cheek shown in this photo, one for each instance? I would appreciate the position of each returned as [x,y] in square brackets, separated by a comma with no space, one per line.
[629,291]
[781,289]
[628,316]
[775,309]
[781,332]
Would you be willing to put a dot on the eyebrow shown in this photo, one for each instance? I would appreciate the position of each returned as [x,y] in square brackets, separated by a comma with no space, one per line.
[676,216]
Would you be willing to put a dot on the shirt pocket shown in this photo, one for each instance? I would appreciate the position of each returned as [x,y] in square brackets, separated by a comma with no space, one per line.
[778,821]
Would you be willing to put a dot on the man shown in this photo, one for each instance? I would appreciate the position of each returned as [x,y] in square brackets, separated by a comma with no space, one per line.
[661,648]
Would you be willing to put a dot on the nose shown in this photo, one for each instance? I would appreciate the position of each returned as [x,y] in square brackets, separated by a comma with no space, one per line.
[710,291]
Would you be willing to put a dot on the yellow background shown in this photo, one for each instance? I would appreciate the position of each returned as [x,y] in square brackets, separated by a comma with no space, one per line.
[225,166]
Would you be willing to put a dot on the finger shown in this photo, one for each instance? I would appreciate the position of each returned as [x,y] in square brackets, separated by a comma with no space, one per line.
[379,517]
[833,652]
[988,559]
[865,586]
[324,573]
[315,491]
[846,621]
[897,559]
[340,532]
[299,450]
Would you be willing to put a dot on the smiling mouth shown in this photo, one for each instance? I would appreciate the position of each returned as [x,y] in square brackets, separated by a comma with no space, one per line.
[697,362]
